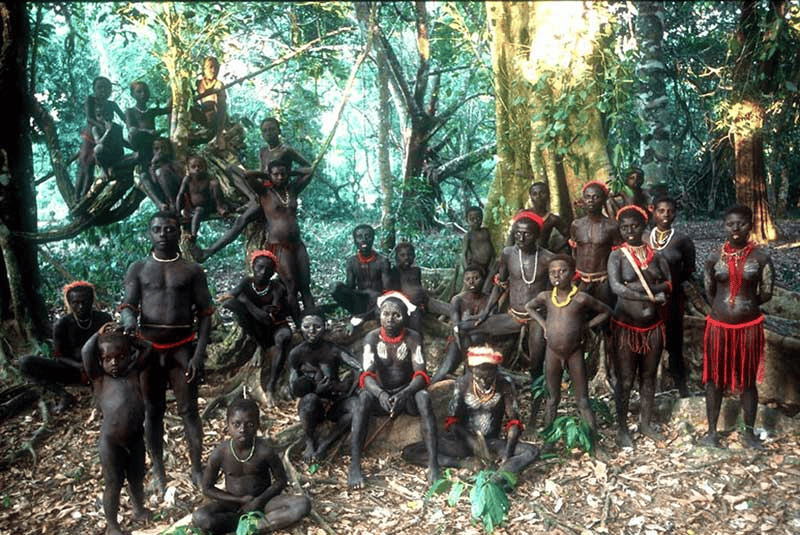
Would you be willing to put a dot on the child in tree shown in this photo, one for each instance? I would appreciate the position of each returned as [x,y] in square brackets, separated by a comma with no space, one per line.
[254,479]
[112,361]
[565,329]
[212,111]
[478,247]
[262,309]
[199,194]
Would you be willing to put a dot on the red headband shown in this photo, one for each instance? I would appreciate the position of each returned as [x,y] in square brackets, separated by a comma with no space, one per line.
[527,214]
[629,207]
[595,183]
[483,355]
[77,284]
[263,252]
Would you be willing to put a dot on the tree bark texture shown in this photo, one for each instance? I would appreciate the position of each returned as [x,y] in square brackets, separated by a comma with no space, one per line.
[653,102]
[19,300]
[384,163]
[551,42]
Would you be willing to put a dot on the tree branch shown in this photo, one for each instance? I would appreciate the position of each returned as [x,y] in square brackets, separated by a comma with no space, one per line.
[465,161]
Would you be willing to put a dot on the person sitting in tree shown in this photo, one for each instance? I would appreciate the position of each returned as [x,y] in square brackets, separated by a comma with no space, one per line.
[113,361]
[522,271]
[277,208]
[465,309]
[164,297]
[478,246]
[199,194]
[483,399]
[678,250]
[166,172]
[141,123]
[393,382]
[592,237]
[539,195]
[368,274]
[261,307]
[254,479]
[71,331]
[406,278]
[212,111]
[565,327]
[99,121]
[314,367]
[630,194]
[739,278]
[640,279]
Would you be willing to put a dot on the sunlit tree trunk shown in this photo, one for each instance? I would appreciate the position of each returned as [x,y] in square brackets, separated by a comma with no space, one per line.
[747,118]
[653,102]
[179,73]
[20,304]
[542,55]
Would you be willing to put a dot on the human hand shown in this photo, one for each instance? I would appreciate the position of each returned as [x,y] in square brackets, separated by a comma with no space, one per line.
[383,399]
[660,298]
[194,371]
[323,385]
[399,400]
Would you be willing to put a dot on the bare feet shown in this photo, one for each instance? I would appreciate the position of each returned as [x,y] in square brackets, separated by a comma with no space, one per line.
[624,439]
[433,473]
[197,478]
[159,485]
[354,478]
[142,515]
[114,530]
[750,440]
[309,454]
[711,439]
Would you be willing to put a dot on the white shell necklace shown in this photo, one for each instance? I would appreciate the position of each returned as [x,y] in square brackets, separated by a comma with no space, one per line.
[657,242]
[522,266]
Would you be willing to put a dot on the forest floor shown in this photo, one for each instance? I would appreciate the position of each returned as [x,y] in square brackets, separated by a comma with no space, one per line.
[674,486]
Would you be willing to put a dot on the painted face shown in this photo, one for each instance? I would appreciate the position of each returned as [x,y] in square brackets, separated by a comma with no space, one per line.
[392,317]
[278,175]
[114,356]
[263,270]
[540,196]
[472,281]
[196,167]
[484,375]
[363,238]
[474,220]
[405,257]
[141,94]
[738,228]
[80,301]
[242,427]
[526,232]
[593,198]
[560,274]
[271,132]
[164,233]
[631,228]
[312,328]
[664,215]
[102,89]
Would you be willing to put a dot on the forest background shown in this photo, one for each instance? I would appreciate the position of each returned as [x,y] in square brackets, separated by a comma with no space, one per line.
[414,111]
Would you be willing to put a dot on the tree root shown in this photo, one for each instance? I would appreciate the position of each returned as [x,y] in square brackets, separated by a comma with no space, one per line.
[295,479]
[30,445]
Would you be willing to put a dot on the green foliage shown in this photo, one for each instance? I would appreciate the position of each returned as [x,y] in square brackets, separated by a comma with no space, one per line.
[539,388]
[249,523]
[601,410]
[575,431]
[487,494]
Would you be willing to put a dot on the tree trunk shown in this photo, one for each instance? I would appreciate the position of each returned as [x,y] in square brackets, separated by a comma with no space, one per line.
[19,301]
[179,70]
[653,102]
[384,164]
[548,124]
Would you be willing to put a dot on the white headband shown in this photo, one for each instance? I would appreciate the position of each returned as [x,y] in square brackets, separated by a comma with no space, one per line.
[410,307]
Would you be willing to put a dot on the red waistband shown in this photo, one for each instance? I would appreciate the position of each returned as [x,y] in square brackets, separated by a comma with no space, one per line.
[172,345]
[751,323]
[649,328]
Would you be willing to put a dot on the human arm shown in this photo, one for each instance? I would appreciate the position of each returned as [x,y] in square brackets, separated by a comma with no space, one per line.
[302,182]
[709,281]
[89,355]
[603,311]
[419,379]
[511,413]
[181,193]
[129,309]
[117,110]
[203,310]
[299,383]
[386,273]
[633,290]
[500,285]
[534,305]
[767,281]
[369,378]
[211,475]
[279,480]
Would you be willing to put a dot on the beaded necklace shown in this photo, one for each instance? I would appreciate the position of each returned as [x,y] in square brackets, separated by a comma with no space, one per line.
[88,323]
[657,239]
[736,259]
[482,396]
[554,296]
[368,259]
[258,292]
[389,340]
[522,266]
[157,259]
[642,254]
[249,455]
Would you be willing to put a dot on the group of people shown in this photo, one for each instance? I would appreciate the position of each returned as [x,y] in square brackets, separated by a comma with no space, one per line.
[615,274]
